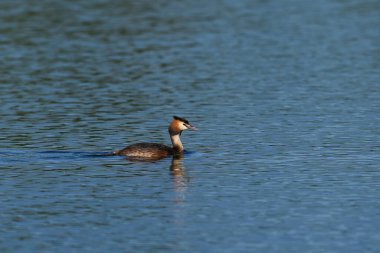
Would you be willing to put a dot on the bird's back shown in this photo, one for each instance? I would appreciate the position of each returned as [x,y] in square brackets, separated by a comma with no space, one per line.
[145,150]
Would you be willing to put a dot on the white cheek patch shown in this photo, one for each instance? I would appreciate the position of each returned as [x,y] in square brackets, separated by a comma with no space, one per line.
[183,126]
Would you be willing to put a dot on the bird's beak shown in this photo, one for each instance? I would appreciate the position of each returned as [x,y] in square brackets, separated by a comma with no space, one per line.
[190,127]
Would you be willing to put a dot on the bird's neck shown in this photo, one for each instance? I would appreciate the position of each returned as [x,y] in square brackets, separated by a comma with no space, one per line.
[177,144]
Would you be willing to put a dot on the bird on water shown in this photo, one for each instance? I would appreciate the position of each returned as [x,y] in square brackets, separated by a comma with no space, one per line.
[155,151]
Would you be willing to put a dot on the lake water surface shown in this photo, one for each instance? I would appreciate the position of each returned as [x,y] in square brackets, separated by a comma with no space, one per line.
[286,95]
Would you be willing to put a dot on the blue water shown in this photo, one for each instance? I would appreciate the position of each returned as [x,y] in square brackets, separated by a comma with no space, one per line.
[285,94]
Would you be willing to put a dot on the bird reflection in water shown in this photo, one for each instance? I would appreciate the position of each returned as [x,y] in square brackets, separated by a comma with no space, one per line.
[177,171]
[180,179]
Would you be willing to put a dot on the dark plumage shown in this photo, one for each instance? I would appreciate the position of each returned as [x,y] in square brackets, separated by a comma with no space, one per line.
[181,119]
[144,149]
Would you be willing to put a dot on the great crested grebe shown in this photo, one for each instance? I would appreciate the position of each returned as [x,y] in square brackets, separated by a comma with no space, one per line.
[157,151]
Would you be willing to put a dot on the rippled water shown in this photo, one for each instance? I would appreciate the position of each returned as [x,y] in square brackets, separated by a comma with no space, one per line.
[286,94]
